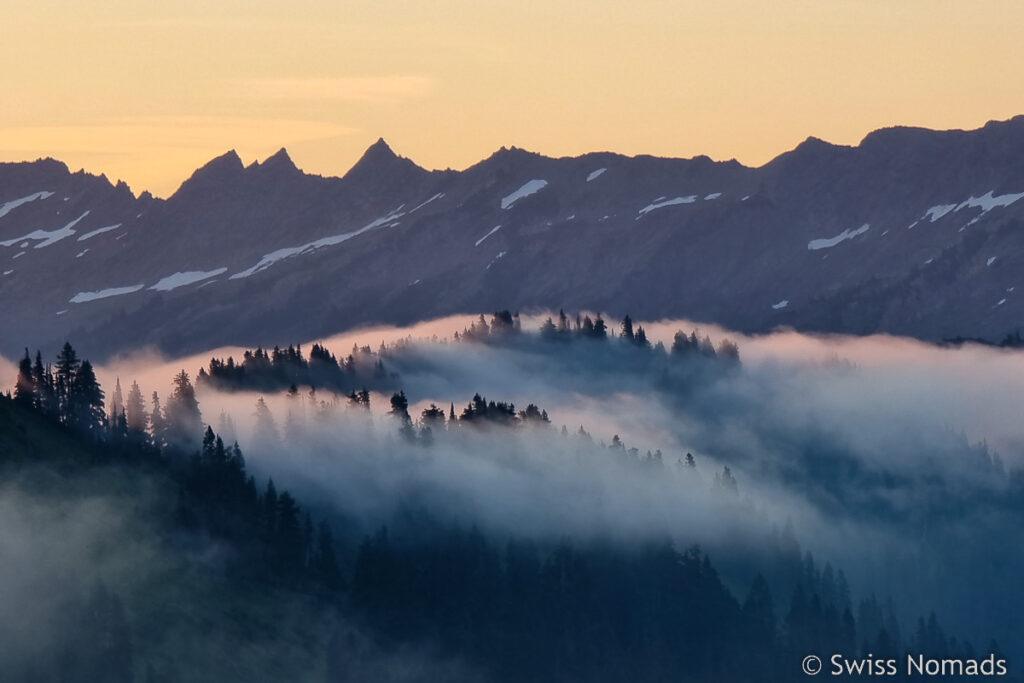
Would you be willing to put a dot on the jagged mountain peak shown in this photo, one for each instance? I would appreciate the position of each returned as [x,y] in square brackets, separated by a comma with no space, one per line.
[378,152]
[827,237]
[279,157]
[278,162]
[513,152]
[227,160]
[379,162]
[219,170]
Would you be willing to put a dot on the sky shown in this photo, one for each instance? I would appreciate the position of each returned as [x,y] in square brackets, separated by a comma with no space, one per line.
[147,92]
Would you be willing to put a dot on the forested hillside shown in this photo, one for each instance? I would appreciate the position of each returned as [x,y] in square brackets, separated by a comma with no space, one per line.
[178,560]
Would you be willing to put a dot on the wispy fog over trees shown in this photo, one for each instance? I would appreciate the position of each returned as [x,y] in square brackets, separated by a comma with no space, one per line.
[570,502]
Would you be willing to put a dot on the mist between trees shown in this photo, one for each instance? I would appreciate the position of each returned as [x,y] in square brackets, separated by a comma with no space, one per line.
[610,444]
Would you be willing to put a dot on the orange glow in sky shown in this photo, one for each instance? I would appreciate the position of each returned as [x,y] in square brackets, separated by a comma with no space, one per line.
[148,92]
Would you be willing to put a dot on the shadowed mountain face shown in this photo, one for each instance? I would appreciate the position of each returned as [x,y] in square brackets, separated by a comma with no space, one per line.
[912,232]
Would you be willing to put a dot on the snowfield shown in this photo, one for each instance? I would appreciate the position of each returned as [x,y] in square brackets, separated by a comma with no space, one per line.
[47,237]
[188,277]
[493,230]
[7,207]
[662,202]
[532,187]
[83,297]
[287,252]
[98,231]
[829,242]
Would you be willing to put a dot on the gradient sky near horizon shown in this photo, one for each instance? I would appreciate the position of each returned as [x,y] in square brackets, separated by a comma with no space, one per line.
[146,91]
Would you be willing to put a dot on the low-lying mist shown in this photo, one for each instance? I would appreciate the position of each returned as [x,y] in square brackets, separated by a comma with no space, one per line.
[881,454]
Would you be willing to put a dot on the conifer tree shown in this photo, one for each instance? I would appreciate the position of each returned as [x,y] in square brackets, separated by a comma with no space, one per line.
[135,412]
[627,330]
[116,401]
[547,330]
[432,416]
[400,407]
[24,387]
[64,377]
[563,321]
[42,383]
[184,421]
[266,426]
[85,401]
[158,423]
[641,338]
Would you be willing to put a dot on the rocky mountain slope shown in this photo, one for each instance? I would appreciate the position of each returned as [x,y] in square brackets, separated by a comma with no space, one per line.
[913,232]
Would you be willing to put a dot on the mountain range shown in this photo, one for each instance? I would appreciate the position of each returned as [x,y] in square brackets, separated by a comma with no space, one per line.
[912,232]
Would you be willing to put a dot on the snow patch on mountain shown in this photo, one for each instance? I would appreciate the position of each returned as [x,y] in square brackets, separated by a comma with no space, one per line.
[82,253]
[991,260]
[594,175]
[98,231]
[782,304]
[663,202]
[532,187]
[287,252]
[493,230]
[188,277]
[987,201]
[47,237]
[828,242]
[938,211]
[83,297]
[713,195]
[495,259]
[420,206]
[7,207]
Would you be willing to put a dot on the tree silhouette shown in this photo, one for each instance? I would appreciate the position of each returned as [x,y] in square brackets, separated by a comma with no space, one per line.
[24,386]
[85,402]
[64,377]
[184,422]
[627,330]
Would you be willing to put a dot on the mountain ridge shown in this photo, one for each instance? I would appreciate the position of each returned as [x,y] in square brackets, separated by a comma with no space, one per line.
[851,238]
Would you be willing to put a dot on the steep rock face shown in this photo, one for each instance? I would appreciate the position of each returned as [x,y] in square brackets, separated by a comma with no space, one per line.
[913,232]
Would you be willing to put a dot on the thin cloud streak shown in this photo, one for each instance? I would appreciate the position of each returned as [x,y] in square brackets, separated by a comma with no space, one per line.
[369,89]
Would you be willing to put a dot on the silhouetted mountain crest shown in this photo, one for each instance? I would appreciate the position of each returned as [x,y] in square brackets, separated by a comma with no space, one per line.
[379,165]
[810,150]
[912,232]
[279,159]
[226,168]
[279,165]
